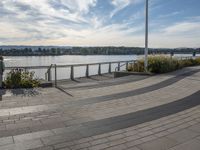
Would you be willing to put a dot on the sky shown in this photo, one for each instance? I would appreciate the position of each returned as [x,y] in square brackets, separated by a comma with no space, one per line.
[172,23]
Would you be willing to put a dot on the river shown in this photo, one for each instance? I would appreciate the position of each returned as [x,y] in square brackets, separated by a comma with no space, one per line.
[64,73]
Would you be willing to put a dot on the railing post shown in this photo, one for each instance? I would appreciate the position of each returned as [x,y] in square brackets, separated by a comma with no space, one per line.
[109,68]
[46,77]
[72,73]
[55,75]
[127,66]
[134,66]
[194,54]
[87,71]
[99,70]
[49,75]
[118,66]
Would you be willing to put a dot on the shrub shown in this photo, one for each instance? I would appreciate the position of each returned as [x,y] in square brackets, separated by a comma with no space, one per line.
[197,60]
[19,78]
[163,64]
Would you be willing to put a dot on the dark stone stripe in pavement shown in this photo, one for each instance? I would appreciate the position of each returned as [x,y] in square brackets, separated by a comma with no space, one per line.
[93,128]
[151,88]
[150,114]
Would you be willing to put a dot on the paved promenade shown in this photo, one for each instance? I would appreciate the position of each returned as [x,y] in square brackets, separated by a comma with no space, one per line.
[159,112]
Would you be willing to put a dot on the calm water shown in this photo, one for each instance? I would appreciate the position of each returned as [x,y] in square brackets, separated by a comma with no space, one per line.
[64,73]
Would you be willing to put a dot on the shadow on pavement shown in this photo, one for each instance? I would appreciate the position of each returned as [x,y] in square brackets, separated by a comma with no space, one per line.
[25,92]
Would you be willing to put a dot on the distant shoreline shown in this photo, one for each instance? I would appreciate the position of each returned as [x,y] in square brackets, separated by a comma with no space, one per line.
[83,51]
[91,55]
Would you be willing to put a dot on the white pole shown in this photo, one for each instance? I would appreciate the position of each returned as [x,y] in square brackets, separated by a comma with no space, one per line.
[146,38]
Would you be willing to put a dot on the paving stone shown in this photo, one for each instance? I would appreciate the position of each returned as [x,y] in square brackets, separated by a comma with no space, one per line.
[6,140]
[145,133]
[158,144]
[132,132]
[44,148]
[53,140]
[31,136]
[66,148]
[161,134]
[133,137]
[159,129]
[133,148]
[117,142]
[148,138]
[80,146]
[63,145]
[99,141]
[133,143]
[183,135]
[99,147]
[118,147]
[115,137]
[190,145]
[195,128]
[198,138]
[23,145]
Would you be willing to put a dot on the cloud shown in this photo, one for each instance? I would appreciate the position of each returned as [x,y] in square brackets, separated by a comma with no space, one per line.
[75,22]
[183,28]
[163,16]
[180,34]
[33,19]
[121,4]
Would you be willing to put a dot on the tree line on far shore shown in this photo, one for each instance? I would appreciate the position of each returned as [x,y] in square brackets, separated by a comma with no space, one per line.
[53,51]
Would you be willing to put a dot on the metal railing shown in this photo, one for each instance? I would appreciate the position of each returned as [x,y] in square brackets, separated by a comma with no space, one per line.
[125,64]
[55,67]
[48,74]
[187,57]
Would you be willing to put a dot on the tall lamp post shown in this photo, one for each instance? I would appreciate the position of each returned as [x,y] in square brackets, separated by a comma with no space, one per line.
[146,36]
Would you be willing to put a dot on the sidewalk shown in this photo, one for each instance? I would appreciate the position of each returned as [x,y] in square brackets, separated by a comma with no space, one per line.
[151,113]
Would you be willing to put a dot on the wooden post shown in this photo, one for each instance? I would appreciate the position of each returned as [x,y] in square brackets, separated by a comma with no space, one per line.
[55,75]
[72,73]
[109,68]
[99,70]
[118,66]
[87,71]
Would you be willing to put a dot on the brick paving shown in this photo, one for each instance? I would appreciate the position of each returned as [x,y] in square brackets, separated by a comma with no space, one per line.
[135,113]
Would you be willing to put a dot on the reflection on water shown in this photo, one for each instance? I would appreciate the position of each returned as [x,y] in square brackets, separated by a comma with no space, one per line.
[63,60]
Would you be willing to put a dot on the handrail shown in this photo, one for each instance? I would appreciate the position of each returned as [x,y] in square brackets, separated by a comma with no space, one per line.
[27,67]
[186,57]
[118,67]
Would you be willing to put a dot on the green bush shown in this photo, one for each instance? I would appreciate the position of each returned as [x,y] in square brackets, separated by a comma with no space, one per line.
[19,78]
[163,64]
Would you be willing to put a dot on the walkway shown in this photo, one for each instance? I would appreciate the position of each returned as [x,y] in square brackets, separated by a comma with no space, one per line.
[131,113]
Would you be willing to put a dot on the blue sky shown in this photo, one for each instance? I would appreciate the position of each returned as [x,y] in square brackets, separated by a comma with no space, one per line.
[172,23]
